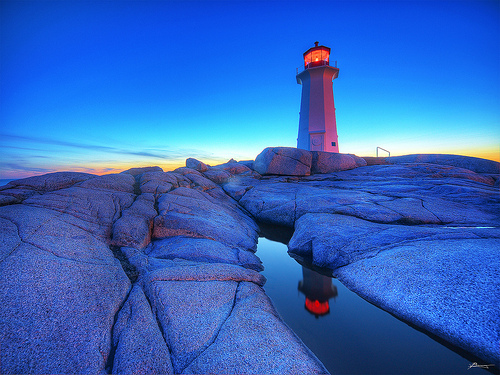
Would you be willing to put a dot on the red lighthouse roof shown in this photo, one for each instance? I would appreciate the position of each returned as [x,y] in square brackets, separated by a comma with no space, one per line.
[316,56]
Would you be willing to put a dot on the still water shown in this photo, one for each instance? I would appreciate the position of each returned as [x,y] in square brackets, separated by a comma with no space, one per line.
[348,334]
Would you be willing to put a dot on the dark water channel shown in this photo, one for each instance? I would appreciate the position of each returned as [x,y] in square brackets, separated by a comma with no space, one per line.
[348,334]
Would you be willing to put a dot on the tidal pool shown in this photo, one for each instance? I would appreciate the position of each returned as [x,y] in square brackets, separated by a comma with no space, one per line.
[348,334]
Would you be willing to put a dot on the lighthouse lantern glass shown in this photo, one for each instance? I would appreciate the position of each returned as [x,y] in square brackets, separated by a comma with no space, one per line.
[317,56]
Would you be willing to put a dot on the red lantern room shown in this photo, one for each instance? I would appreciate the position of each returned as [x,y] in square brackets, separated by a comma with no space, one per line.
[316,56]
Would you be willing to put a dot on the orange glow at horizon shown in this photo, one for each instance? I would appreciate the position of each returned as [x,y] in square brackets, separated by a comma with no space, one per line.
[487,153]
[103,168]
[96,169]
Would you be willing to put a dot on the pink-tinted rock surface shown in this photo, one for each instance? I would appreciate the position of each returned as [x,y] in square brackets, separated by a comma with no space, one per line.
[193,291]
[418,236]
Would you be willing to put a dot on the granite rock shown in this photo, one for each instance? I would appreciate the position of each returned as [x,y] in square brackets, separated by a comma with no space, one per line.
[218,176]
[328,162]
[373,224]
[214,315]
[202,250]
[60,290]
[403,194]
[248,163]
[253,340]
[186,170]
[196,165]
[283,161]
[158,182]
[97,209]
[272,203]
[477,165]
[234,167]
[139,344]
[19,190]
[237,186]
[416,236]
[69,241]
[135,225]
[50,181]
[333,240]
[139,171]
[188,212]
[450,288]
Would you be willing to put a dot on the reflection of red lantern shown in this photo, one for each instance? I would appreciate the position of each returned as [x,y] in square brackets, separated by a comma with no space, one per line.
[316,307]
[318,290]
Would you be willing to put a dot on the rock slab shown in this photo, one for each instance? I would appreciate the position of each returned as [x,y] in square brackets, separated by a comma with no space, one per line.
[283,161]
[141,272]
[154,272]
[417,236]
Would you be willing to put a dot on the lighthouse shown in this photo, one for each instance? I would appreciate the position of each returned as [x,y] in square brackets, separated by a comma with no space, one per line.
[317,124]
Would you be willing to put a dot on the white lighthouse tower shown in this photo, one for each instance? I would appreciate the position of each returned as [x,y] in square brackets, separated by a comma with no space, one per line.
[317,124]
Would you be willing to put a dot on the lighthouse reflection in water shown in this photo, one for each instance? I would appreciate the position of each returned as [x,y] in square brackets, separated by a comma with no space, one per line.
[318,290]
[356,337]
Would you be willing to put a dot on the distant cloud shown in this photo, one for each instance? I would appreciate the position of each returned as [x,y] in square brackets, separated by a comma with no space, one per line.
[22,156]
[20,148]
[157,154]
[24,168]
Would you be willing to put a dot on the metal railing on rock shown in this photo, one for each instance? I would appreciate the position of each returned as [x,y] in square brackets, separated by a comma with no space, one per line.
[383,149]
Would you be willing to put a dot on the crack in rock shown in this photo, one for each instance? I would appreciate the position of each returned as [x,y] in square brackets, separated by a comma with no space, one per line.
[216,335]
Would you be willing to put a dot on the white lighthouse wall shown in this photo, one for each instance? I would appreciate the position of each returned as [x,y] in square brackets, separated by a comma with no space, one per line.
[331,138]
[303,137]
[317,124]
[317,101]
[322,123]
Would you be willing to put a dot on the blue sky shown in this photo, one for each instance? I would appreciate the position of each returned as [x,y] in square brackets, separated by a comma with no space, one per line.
[102,86]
